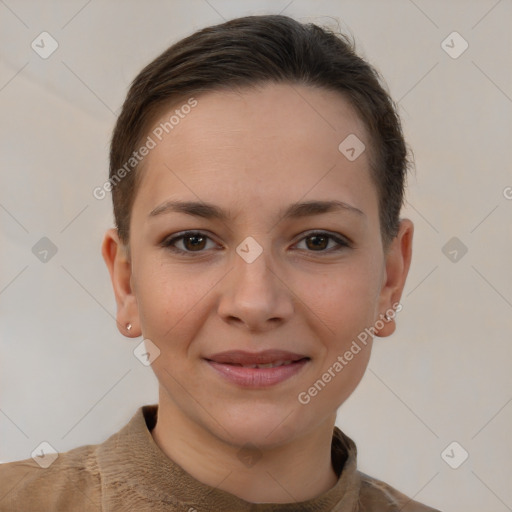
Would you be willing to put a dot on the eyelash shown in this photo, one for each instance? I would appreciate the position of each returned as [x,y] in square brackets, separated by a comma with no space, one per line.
[168,242]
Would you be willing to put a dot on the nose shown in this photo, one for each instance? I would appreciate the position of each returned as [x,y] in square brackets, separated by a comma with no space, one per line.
[255,296]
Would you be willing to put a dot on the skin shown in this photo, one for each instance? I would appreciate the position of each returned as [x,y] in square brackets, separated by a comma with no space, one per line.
[252,153]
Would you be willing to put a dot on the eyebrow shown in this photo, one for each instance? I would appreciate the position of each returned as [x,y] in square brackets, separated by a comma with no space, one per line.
[293,211]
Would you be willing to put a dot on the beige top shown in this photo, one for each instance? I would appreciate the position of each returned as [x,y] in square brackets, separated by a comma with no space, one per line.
[129,472]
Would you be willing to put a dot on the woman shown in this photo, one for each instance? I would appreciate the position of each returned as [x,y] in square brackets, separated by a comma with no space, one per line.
[257,171]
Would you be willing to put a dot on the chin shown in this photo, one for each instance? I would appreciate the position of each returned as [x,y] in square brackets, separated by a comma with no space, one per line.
[265,427]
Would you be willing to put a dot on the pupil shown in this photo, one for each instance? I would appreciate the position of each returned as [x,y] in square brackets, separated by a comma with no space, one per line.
[318,238]
[195,239]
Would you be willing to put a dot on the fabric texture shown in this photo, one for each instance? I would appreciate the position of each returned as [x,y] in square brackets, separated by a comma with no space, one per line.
[129,472]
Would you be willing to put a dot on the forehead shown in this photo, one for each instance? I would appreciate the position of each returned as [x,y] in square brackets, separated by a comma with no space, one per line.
[264,110]
[277,140]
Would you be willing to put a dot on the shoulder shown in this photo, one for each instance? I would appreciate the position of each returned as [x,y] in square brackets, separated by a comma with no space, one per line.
[71,478]
[377,495]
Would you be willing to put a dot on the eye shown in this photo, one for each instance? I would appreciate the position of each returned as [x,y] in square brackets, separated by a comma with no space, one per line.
[197,242]
[192,241]
[318,241]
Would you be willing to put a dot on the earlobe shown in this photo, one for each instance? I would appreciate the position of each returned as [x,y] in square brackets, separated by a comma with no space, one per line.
[398,261]
[119,266]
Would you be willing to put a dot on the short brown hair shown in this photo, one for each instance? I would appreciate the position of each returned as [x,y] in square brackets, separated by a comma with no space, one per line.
[249,51]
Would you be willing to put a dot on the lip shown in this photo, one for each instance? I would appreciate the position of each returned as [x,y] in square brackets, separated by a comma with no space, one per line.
[228,365]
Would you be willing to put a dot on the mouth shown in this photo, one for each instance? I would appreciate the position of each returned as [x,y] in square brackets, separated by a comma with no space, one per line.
[273,364]
[260,369]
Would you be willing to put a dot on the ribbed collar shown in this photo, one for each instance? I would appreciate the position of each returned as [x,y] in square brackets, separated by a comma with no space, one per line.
[135,471]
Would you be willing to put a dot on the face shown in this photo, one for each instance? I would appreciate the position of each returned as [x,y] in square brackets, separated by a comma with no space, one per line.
[284,263]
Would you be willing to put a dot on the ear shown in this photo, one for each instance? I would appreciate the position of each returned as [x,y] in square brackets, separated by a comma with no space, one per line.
[398,261]
[116,257]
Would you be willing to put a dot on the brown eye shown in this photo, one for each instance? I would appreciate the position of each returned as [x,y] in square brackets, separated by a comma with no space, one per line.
[319,242]
[194,242]
[191,242]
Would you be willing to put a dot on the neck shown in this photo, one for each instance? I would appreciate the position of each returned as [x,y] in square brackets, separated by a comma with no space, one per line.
[280,474]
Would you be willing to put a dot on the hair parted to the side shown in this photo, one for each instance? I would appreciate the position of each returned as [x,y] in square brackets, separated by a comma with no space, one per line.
[251,51]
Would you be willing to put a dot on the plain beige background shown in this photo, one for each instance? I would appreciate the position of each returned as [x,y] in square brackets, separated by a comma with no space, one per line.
[68,377]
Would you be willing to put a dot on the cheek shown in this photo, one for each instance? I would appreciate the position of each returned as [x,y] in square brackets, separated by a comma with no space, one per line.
[344,298]
[168,300]
[346,304]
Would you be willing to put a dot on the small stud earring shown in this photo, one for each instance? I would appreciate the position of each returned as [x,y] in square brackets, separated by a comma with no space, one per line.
[128,326]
